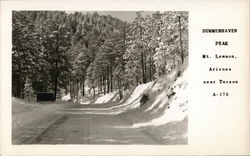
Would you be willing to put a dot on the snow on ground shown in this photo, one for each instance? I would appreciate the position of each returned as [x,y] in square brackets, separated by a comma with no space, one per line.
[107,98]
[166,92]
[111,97]
[85,103]
[66,97]
[178,104]
[160,98]
[85,100]
[24,112]
[139,90]
[134,100]
[131,103]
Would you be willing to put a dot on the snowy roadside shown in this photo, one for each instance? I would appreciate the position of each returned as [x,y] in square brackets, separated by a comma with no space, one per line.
[101,99]
[165,115]
[24,112]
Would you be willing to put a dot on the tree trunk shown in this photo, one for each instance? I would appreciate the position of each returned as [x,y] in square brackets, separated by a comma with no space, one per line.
[103,84]
[18,89]
[55,89]
[22,94]
[124,47]
[137,79]
[108,79]
[142,59]
[119,87]
[29,98]
[100,88]
[77,88]
[150,69]
[66,89]
[145,70]
[142,66]
[150,65]
[111,77]
[56,81]
[70,87]
[73,89]
[94,90]
[83,86]
[181,48]
[56,72]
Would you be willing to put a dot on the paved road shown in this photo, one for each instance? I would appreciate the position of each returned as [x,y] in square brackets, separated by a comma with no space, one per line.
[83,128]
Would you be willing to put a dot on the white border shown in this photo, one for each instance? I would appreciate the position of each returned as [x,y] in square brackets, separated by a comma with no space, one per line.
[218,128]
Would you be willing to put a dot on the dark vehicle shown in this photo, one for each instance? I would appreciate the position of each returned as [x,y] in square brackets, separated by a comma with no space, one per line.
[45,96]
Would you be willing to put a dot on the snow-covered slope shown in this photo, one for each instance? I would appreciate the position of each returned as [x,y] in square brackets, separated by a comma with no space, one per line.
[126,104]
[172,104]
[134,98]
[111,97]
[165,114]
[167,102]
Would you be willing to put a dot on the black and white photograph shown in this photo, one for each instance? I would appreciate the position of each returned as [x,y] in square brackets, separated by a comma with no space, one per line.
[99,77]
[141,77]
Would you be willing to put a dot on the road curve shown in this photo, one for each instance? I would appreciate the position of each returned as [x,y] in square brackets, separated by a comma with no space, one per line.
[92,129]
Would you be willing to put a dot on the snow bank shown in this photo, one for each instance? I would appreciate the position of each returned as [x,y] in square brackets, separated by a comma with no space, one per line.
[163,96]
[85,103]
[132,102]
[160,98]
[111,97]
[66,97]
[107,98]
[178,104]
[138,92]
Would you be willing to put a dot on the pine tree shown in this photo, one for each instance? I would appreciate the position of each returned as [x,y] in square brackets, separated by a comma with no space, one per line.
[81,63]
[24,51]
[59,51]
[135,54]
[91,78]
[56,44]
[171,50]
[28,89]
